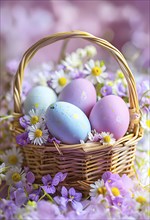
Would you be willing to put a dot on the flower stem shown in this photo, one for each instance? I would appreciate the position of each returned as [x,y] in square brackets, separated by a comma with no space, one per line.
[47,195]
[5,117]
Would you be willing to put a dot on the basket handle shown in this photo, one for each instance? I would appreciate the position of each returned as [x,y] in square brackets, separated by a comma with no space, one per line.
[133,98]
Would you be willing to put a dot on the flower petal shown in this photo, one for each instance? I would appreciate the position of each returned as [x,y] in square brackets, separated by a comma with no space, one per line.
[78,196]
[64,192]
[72,191]
[77,206]
[30,177]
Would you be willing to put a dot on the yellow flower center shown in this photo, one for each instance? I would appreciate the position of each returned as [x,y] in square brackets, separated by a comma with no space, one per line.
[62,81]
[38,133]
[16,177]
[107,139]
[71,197]
[110,83]
[32,203]
[115,191]
[12,159]
[101,190]
[36,105]
[96,71]
[141,199]
[34,120]
[148,172]
[148,123]
[120,75]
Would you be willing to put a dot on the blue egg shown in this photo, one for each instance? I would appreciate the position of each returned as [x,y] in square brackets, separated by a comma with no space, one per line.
[39,97]
[67,123]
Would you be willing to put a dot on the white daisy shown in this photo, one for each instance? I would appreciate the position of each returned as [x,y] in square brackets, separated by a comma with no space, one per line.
[145,122]
[97,188]
[107,138]
[12,157]
[81,53]
[90,51]
[38,134]
[15,175]
[120,76]
[94,136]
[35,115]
[141,196]
[41,74]
[95,71]
[73,61]
[2,171]
[59,80]
[145,173]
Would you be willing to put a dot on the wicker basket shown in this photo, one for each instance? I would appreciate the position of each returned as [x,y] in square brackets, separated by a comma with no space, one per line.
[84,163]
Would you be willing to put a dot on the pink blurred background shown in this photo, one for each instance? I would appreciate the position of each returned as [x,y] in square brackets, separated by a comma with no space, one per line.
[123,23]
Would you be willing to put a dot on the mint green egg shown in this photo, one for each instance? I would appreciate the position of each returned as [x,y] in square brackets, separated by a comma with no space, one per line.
[39,97]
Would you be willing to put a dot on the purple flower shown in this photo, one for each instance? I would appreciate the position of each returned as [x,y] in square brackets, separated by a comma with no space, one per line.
[117,201]
[76,74]
[22,139]
[121,90]
[106,176]
[61,202]
[127,182]
[106,90]
[18,195]
[24,121]
[35,195]
[61,176]
[142,88]
[72,197]
[7,209]
[11,66]
[49,183]
[98,208]
[111,76]
[117,186]
[129,207]
[47,210]
[110,177]
[30,178]
[25,89]
[53,139]
[94,136]
[145,104]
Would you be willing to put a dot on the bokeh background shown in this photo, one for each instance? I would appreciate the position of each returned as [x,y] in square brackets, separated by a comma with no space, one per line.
[123,23]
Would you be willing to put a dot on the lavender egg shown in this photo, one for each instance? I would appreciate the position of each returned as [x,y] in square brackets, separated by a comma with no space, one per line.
[81,93]
[39,97]
[110,114]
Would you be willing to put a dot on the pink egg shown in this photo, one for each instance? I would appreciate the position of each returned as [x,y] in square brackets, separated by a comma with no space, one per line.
[81,93]
[110,114]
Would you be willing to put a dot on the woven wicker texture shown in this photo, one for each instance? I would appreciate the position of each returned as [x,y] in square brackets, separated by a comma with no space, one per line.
[84,163]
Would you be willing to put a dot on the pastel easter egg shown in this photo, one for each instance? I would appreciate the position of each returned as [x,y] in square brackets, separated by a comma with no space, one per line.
[110,114]
[39,97]
[67,123]
[81,93]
